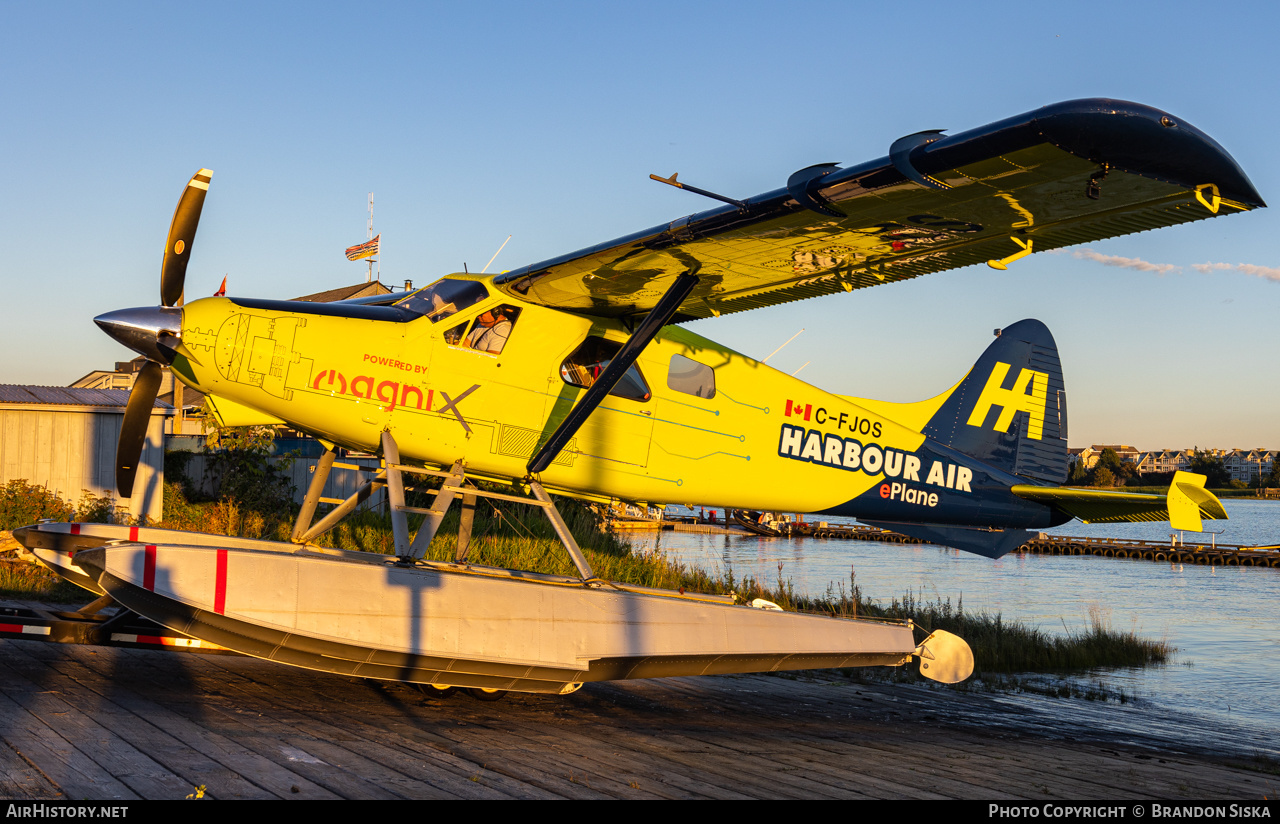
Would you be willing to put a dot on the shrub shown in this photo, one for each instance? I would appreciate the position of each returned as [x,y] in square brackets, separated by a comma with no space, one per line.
[23,503]
[240,469]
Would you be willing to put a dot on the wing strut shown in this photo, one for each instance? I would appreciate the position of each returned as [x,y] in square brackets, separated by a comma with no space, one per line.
[654,321]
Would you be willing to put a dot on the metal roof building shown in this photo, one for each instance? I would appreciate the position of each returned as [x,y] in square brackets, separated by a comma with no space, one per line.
[64,438]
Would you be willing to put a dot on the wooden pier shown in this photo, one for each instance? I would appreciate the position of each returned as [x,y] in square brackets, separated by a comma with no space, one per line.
[674,526]
[101,723]
[1174,552]
[1168,552]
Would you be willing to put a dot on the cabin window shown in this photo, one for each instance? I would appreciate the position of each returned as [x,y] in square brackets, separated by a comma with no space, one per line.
[690,377]
[490,330]
[444,298]
[590,360]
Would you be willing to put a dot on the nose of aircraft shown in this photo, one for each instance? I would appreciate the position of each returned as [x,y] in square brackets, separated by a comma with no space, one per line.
[141,329]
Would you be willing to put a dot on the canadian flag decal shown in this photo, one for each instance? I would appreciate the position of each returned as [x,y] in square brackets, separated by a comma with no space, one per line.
[794,408]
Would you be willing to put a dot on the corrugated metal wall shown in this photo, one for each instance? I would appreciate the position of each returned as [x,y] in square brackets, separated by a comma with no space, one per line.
[72,449]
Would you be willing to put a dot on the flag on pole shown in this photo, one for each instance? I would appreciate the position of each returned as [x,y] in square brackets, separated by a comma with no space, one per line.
[363,250]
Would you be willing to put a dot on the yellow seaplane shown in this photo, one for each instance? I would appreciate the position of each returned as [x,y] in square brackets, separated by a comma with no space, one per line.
[573,377]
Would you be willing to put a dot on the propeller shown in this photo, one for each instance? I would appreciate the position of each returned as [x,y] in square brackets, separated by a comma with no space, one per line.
[133,431]
[155,332]
[182,233]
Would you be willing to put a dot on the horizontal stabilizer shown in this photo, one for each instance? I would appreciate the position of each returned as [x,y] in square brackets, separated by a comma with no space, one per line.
[989,543]
[1189,501]
[1185,504]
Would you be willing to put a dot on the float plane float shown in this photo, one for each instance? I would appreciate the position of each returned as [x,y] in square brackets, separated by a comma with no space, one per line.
[573,377]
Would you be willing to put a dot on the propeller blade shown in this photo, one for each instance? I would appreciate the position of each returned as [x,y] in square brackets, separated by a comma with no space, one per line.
[133,431]
[182,233]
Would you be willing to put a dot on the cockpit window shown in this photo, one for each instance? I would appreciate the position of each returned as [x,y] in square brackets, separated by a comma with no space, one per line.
[445,297]
[490,331]
[590,360]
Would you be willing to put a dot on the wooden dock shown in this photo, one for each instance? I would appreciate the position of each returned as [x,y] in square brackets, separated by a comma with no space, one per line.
[81,722]
[1046,544]
[638,525]
[1168,552]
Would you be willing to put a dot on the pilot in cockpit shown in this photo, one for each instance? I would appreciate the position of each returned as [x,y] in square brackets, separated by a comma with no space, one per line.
[491,330]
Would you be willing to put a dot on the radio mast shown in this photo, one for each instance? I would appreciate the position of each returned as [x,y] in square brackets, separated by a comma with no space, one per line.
[376,258]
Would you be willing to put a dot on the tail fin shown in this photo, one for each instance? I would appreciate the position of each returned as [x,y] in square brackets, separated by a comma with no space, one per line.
[1010,411]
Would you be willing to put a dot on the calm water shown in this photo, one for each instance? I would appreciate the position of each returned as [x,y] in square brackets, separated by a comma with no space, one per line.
[1225,622]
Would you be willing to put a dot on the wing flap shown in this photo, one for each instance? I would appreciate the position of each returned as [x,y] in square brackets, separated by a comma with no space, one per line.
[1063,175]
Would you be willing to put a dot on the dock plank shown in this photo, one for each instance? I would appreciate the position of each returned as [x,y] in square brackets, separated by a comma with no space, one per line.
[34,729]
[88,722]
[20,779]
[164,709]
[372,726]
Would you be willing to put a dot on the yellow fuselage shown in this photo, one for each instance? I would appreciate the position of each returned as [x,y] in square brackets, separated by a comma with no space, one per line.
[749,445]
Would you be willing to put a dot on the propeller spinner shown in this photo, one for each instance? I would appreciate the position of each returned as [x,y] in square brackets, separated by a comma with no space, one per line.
[155,331]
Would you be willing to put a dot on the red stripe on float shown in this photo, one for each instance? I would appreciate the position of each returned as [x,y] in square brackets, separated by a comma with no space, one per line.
[220,584]
[149,570]
[75,529]
[133,533]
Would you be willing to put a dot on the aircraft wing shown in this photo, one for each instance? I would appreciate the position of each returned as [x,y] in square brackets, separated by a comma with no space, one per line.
[1065,174]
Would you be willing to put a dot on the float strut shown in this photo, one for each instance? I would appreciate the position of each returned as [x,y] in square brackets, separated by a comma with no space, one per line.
[395,494]
[562,531]
[435,516]
[314,490]
[464,527]
[343,509]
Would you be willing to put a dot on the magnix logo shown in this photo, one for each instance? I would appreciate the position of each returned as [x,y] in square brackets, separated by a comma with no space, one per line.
[1017,399]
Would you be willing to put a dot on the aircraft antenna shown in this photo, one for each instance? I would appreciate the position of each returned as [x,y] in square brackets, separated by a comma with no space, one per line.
[780,348]
[671,181]
[495,255]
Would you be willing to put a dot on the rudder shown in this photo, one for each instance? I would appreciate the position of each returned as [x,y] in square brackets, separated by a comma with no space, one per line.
[1010,411]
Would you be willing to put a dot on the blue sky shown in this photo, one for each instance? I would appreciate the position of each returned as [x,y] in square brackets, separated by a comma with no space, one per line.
[471,122]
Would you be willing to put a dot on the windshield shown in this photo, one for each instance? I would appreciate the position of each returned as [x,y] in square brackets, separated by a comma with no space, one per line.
[444,298]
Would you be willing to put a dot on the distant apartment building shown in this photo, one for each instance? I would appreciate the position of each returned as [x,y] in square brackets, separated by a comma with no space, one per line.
[1165,460]
[1247,464]
[1090,454]
[1243,464]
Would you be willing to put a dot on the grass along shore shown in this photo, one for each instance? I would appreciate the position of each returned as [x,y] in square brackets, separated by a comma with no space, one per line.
[519,537]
